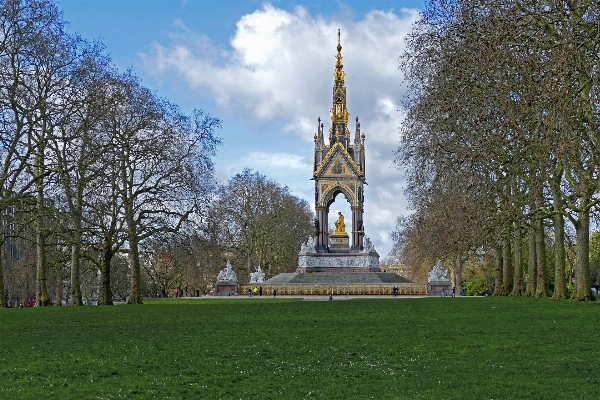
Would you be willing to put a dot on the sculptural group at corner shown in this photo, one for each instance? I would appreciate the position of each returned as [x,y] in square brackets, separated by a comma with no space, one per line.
[309,246]
[257,276]
[438,273]
[228,274]
[368,246]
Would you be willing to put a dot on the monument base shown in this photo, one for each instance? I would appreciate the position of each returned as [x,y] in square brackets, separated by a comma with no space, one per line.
[339,244]
[338,262]
[439,288]
[224,288]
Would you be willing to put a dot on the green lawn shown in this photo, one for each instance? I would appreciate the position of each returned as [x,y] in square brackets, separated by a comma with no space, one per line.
[437,348]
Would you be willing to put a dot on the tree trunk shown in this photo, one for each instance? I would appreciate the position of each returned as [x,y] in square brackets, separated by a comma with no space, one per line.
[42,298]
[249,264]
[540,251]
[3,303]
[458,274]
[518,277]
[134,264]
[498,283]
[105,291]
[583,288]
[507,269]
[59,285]
[560,288]
[532,267]
[76,299]
[134,255]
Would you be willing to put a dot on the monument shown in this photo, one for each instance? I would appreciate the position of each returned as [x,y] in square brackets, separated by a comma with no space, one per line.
[227,282]
[342,257]
[438,282]
[339,168]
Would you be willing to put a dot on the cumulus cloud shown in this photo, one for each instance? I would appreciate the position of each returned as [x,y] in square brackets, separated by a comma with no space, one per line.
[280,68]
[265,160]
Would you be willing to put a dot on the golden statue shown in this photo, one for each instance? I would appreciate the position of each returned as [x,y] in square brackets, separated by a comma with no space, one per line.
[340,227]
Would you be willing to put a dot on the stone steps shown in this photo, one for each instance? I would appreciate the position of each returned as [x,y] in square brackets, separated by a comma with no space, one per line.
[337,278]
[280,279]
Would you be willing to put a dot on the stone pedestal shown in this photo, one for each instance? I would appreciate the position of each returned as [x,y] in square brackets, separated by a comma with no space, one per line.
[225,288]
[435,288]
[339,243]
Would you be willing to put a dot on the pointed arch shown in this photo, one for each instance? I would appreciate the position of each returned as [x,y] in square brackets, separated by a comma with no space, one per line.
[329,196]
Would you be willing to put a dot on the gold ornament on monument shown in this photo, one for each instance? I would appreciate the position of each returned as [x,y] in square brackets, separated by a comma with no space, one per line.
[340,227]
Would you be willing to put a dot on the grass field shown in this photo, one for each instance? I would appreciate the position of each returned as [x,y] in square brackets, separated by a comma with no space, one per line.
[434,348]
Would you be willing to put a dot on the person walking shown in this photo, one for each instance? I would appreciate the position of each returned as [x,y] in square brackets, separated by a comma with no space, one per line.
[274,292]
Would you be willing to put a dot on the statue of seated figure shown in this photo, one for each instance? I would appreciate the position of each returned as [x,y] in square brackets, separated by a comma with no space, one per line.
[340,227]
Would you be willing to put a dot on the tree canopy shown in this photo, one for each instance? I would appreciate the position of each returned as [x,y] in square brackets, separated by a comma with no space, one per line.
[108,190]
[501,136]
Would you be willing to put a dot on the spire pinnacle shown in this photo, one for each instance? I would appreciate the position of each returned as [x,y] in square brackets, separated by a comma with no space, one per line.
[339,113]
[339,65]
[338,57]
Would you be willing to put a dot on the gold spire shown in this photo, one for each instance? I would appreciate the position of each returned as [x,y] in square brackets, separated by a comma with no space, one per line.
[339,112]
[339,66]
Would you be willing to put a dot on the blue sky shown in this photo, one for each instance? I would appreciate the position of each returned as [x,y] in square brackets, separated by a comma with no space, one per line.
[266,70]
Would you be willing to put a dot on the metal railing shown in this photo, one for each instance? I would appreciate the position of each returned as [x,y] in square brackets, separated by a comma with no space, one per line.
[341,289]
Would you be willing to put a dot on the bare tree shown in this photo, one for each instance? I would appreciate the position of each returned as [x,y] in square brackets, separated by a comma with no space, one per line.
[261,222]
[498,89]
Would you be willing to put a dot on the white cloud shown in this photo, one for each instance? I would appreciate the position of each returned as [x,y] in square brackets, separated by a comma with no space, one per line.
[269,161]
[280,67]
[286,168]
